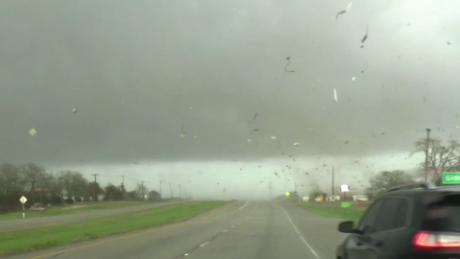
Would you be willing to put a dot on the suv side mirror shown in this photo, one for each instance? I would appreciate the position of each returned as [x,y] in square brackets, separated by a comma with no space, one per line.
[346,227]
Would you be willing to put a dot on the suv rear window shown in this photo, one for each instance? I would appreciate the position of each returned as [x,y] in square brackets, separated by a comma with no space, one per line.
[443,214]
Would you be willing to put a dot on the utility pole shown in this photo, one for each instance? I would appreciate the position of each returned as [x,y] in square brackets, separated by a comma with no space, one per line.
[332,187]
[180,192]
[170,190]
[426,153]
[161,197]
[95,187]
[142,191]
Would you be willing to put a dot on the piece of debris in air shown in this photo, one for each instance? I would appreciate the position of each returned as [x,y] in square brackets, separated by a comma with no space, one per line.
[255,116]
[346,142]
[273,137]
[343,11]
[277,174]
[74,109]
[241,168]
[32,132]
[249,140]
[289,62]
[296,144]
[254,130]
[335,96]
[448,43]
[365,36]
[353,78]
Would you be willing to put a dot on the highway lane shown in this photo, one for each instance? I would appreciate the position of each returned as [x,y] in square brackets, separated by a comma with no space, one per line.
[252,230]
[18,224]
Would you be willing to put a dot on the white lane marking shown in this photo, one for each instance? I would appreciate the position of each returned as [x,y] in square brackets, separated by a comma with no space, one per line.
[224,231]
[205,243]
[301,237]
[243,205]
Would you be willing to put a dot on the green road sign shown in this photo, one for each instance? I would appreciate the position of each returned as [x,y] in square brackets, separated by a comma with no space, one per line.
[451,178]
[346,204]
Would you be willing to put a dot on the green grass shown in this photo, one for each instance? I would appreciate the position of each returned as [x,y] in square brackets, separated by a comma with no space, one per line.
[353,214]
[24,240]
[60,210]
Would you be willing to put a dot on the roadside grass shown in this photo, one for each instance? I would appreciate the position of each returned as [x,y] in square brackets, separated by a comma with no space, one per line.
[67,209]
[32,239]
[353,214]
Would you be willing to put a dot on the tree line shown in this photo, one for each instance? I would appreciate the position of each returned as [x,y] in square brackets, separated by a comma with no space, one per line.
[39,185]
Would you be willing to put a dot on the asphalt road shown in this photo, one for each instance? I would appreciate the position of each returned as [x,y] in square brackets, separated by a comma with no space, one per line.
[247,230]
[13,224]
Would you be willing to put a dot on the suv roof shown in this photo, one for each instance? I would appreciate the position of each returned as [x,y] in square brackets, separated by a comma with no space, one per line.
[415,189]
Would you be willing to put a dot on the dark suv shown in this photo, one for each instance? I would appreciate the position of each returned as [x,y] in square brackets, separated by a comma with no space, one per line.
[414,221]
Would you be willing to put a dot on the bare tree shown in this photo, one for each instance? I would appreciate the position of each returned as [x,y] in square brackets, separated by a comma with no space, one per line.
[387,179]
[11,178]
[73,182]
[441,158]
[34,177]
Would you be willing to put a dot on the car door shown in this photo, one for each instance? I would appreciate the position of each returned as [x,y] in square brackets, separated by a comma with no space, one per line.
[385,236]
[353,245]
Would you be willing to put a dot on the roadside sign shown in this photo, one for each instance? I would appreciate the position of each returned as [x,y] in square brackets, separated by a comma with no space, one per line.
[451,178]
[23,199]
[344,188]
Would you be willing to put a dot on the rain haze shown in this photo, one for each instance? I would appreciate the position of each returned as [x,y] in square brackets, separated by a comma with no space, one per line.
[219,95]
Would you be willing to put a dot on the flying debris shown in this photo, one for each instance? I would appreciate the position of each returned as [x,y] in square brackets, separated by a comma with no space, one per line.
[448,43]
[277,174]
[335,96]
[32,132]
[296,144]
[346,142]
[302,185]
[75,109]
[324,164]
[343,11]
[241,168]
[249,140]
[289,62]
[353,78]
[339,13]
[273,137]
[255,116]
[225,190]
[306,173]
[261,181]
[254,130]
[383,133]
[365,36]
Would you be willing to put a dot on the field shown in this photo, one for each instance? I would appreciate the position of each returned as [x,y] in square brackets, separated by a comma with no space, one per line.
[70,209]
[24,240]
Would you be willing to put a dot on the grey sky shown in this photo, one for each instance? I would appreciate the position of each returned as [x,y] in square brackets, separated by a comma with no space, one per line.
[136,67]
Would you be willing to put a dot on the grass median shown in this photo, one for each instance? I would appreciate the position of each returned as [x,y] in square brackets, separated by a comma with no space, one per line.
[353,214]
[31,239]
[74,208]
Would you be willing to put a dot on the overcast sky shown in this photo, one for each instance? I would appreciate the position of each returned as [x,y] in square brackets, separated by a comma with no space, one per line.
[143,72]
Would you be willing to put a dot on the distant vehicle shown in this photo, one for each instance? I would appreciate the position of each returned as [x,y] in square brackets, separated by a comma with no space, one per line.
[38,207]
[416,221]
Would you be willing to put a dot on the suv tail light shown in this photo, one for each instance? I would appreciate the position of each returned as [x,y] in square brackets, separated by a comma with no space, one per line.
[436,240]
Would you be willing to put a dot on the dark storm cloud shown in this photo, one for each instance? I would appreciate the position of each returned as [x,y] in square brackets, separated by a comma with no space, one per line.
[135,69]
